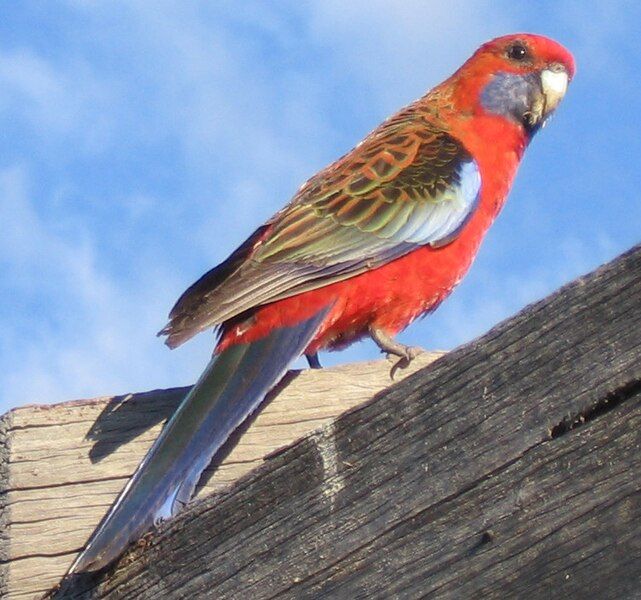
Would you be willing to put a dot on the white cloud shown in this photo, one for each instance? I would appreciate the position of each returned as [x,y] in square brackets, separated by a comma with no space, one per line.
[57,102]
[84,333]
[399,51]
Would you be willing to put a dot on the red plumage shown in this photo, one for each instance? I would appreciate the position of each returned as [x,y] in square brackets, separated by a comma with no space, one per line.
[391,296]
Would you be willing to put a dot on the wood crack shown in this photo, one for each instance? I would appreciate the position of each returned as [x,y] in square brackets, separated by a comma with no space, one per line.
[600,408]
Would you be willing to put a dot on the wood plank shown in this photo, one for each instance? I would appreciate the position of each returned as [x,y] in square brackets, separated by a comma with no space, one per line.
[510,467]
[61,466]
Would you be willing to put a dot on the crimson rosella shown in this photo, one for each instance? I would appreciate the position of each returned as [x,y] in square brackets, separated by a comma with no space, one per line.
[368,244]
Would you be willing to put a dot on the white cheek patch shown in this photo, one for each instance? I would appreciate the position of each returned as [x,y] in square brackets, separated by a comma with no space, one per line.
[554,82]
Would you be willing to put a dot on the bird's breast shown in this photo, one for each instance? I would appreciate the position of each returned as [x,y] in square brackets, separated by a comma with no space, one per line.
[393,295]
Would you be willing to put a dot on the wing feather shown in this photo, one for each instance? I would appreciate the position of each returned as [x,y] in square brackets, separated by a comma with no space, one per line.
[409,184]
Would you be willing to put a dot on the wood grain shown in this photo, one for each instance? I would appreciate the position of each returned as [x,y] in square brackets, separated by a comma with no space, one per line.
[508,468]
[61,466]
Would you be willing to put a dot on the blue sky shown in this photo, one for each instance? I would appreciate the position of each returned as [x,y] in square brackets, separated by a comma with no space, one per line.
[141,141]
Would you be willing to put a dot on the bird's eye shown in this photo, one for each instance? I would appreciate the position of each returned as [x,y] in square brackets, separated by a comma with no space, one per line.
[518,52]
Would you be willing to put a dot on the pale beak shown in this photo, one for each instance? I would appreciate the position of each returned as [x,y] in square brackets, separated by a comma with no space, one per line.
[554,83]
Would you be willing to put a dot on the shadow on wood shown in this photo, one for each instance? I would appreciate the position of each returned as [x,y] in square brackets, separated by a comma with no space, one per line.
[123,419]
[62,466]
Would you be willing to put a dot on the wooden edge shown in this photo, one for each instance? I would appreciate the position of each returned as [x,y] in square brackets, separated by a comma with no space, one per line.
[71,459]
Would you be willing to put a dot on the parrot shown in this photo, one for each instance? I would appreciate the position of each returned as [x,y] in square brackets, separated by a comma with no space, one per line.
[370,243]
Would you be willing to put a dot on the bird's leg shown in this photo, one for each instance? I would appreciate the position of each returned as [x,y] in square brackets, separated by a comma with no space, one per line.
[314,362]
[393,348]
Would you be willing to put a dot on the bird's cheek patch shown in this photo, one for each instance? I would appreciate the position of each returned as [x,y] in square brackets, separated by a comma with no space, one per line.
[511,95]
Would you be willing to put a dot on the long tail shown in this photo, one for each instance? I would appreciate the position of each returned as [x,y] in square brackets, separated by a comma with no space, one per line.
[234,383]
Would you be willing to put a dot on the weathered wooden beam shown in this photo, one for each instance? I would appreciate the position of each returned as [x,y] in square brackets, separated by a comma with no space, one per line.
[509,468]
[62,466]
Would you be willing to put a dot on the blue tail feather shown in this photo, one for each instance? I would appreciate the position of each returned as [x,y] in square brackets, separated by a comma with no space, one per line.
[232,386]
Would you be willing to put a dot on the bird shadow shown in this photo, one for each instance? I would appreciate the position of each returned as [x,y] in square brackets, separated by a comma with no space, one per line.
[126,417]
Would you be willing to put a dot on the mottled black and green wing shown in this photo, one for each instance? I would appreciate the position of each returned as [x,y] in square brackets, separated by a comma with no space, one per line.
[407,185]
[413,189]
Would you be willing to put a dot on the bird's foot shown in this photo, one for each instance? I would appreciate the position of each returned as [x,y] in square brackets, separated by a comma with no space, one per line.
[406,354]
[404,359]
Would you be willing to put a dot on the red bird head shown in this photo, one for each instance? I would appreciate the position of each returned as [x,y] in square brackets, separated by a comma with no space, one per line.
[521,77]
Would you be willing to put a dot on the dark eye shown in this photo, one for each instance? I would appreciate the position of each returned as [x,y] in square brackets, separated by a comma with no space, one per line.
[518,52]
